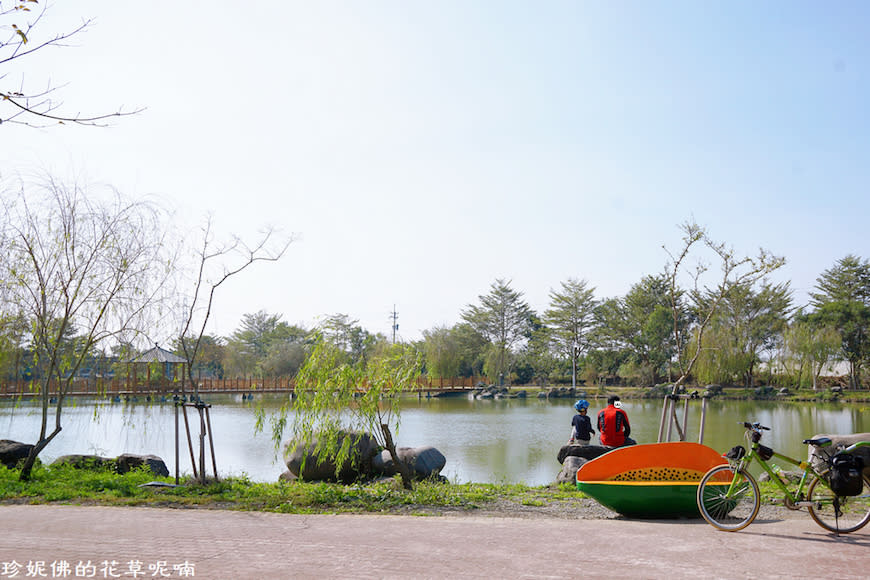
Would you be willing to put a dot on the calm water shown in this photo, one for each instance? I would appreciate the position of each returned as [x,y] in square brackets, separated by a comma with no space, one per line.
[484,441]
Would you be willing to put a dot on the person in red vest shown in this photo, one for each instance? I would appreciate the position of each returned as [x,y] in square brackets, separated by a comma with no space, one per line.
[613,426]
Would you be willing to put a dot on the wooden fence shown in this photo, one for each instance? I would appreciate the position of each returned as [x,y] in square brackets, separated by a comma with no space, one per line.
[100,387]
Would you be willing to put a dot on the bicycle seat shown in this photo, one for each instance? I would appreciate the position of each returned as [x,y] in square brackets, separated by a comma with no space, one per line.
[820,442]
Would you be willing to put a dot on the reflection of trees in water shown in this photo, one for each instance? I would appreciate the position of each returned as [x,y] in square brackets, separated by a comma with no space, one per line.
[489,441]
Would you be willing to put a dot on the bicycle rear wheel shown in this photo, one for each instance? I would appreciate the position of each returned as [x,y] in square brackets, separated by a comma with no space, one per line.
[847,514]
[728,499]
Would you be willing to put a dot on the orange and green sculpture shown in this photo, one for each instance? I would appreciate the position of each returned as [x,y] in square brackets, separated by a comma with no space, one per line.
[657,480]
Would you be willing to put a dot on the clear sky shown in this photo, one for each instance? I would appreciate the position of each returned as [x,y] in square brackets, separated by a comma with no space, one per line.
[421,150]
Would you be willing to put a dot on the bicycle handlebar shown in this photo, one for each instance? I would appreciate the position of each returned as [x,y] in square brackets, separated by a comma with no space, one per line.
[755,426]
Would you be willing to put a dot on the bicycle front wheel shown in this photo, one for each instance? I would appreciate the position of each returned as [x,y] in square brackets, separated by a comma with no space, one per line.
[728,498]
[839,514]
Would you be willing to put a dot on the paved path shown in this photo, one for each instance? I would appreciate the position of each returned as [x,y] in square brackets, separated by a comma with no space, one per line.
[237,545]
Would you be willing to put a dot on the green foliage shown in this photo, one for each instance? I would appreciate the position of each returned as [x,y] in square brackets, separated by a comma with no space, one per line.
[641,326]
[443,352]
[808,347]
[746,324]
[847,281]
[334,394]
[504,319]
[264,345]
[66,484]
[571,317]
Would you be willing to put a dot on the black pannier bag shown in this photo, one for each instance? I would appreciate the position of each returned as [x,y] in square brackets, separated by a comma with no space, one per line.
[846,474]
[736,452]
[765,452]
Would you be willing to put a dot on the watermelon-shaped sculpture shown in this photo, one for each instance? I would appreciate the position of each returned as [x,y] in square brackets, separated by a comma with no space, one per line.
[658,480]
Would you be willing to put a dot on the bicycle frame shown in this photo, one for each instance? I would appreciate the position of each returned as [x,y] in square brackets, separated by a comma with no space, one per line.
[808,472]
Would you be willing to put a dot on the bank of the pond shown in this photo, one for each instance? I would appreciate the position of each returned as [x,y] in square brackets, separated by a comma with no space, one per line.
[757,393]
[68,486]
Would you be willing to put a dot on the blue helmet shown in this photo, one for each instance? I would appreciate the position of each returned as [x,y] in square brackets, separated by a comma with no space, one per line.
[581,404]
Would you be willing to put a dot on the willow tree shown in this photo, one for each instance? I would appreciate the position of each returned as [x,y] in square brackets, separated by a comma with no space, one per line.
[335,394]
[749,323]
[76,265]
[808,345]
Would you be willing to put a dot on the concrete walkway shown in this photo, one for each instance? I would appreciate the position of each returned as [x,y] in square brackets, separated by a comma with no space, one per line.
[152,542]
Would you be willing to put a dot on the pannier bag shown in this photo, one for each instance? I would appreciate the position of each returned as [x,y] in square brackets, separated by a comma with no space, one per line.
[765,452]
[736,452]
[846,474]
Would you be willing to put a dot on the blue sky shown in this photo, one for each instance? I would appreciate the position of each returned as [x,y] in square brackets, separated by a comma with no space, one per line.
[422,150]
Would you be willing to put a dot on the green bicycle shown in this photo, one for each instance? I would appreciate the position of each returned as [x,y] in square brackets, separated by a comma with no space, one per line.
[837,496]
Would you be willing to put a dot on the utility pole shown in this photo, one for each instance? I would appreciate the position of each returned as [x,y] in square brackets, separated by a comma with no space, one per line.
[395,316]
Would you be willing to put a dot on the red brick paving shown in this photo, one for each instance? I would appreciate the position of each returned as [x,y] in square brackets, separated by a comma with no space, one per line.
[238,545]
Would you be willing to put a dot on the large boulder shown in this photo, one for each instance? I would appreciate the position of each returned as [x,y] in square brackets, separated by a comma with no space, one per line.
[363,447]
[584,451]
[83,461]
[569,469]
[122,464]
[128,462]
[425,462]
[11,452]
[819,456]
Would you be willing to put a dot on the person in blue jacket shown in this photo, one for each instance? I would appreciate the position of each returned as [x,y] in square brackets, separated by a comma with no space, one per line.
[581,425]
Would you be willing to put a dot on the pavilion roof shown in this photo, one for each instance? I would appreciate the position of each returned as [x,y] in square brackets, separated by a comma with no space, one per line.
[157,354]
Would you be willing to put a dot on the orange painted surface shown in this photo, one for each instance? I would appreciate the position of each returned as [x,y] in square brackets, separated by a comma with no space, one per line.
[677,455]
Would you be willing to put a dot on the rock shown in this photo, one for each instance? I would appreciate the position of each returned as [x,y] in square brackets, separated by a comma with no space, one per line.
[359,465]
[791,476]
[128,462]
[287,476]
[425,462]
[584,451]
[713,389]
[819,457]
[11,452]
[82,461]
[569,469]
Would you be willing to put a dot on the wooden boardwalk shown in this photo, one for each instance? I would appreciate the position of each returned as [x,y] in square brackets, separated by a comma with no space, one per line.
[128,389]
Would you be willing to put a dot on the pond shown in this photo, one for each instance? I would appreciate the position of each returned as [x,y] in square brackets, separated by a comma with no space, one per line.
[487,441]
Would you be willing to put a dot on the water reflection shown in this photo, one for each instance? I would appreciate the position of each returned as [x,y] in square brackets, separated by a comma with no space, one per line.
[512,440]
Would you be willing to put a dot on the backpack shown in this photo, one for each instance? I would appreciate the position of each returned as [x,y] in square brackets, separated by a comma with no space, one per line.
[846,474]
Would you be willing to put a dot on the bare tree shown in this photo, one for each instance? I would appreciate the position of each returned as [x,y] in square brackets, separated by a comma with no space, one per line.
[76,266]
[215,263]
[734,272]
[704,298]
[21,36]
